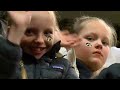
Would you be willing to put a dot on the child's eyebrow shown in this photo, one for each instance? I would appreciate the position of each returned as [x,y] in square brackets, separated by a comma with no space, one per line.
[91,33]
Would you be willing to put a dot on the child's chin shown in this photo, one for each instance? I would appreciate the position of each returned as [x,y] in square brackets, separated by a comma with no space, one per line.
[38,57]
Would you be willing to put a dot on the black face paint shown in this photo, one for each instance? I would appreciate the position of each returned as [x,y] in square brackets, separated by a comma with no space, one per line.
[49,40]
[88,44]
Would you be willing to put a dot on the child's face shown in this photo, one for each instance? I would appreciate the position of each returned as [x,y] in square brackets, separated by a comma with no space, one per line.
[39,36]
[98,36]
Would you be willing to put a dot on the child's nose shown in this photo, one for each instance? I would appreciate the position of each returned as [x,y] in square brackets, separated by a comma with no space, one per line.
[39,39]
[98,45]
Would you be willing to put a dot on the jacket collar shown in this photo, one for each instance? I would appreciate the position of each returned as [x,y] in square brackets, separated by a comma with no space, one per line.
[84,71]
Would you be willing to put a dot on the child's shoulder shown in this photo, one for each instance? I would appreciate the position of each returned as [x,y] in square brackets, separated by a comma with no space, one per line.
[62,60]
[114,67]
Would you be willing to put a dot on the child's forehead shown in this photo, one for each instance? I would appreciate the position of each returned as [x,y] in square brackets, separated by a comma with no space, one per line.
[40,15]
[96,27]
[42,20]
[39,12]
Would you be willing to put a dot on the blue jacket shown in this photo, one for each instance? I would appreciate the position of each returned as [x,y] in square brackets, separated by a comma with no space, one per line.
[112,72]
[48,67]
[84,72]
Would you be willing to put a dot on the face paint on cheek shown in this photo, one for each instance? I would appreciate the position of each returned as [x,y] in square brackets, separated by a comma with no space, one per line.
[88,44]
[49,41]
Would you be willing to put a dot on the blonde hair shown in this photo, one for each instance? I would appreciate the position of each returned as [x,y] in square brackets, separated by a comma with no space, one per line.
[56,27]
[82,21]
[54,18]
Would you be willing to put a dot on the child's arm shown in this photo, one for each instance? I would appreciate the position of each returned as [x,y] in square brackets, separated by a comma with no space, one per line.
[10,51]
[10,54]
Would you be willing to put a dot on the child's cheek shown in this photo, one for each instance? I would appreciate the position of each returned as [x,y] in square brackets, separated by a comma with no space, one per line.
[49,41]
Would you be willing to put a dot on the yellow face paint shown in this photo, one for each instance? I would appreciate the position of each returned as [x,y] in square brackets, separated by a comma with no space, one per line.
[49,39]
[88,45]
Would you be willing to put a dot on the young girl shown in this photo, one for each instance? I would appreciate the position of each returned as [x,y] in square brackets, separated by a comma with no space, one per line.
[34,31]
[96,38]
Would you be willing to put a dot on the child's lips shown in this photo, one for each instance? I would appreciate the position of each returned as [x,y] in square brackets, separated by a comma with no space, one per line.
[37,50]
[98,53]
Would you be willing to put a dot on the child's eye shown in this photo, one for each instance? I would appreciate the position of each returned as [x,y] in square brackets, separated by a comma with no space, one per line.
[29,32]
[105,43]
[48,33]
[90,38]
